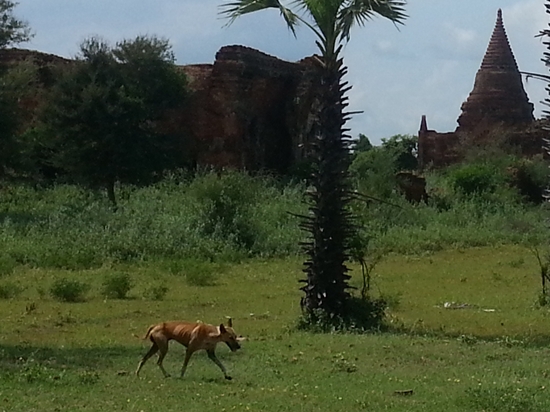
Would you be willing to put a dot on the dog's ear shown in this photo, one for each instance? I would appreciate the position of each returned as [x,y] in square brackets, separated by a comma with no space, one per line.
[230,322]
[222,328]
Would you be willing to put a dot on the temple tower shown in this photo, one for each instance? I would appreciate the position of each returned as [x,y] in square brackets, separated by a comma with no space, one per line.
[498,96]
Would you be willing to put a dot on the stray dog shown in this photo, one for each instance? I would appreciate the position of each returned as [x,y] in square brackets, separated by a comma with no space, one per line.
[194,336]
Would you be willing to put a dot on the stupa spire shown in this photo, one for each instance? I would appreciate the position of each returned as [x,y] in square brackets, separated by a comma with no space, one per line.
[498,95]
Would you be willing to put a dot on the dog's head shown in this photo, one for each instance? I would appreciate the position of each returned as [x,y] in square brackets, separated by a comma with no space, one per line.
[229,336]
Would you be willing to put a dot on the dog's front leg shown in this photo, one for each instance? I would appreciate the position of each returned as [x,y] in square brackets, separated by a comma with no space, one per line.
[188,354]
[214,358]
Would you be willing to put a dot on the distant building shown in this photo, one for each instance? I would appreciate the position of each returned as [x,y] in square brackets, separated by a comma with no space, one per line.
[497,110]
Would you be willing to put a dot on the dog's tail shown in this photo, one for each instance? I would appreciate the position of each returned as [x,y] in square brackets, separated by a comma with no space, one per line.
[147,334]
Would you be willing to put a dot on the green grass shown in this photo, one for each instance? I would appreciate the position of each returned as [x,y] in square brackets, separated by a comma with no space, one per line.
[81,356]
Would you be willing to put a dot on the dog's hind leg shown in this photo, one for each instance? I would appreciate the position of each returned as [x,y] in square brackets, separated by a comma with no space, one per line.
[163,348]
[214,358]
[154,349]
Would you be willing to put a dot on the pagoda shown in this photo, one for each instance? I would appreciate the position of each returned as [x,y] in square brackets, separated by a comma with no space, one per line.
[498,95]
[497,102]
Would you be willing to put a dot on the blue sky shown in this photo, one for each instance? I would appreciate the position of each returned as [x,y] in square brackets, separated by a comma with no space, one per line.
[426,67]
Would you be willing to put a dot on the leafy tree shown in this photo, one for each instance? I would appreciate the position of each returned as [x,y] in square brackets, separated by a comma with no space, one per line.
[105,113]
[362,144]
[12,30]
[374,172]
[330,223]
[403,148]
[16,87]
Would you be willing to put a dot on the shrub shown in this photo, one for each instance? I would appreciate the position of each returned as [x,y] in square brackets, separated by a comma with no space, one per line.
[363,314]
[199,273]
[529,177]
[7,265]
[374,172]
[67,290]
[474,178]
[155,292]
[117,286]
[10,290]
[225,202]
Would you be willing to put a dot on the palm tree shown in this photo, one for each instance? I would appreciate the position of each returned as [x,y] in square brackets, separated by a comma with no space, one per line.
[330,224]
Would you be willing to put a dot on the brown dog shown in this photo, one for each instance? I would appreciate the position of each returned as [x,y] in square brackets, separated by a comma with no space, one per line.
[194,336]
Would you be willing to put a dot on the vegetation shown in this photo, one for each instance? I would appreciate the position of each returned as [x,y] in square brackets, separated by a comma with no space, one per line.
[15,86]
[12,30]
[454,282]
[65,226]
[330,223]
[83,355]
[69,290]
[117,285]
[12,84]
[103,114]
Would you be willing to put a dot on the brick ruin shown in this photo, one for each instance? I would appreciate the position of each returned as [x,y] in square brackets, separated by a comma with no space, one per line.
[497,110]
[247,110]
[252,111]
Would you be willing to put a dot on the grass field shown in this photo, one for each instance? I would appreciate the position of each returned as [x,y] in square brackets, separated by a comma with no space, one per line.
[490,355]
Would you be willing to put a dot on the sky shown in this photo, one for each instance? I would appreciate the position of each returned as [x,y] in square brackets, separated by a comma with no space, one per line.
[399,73]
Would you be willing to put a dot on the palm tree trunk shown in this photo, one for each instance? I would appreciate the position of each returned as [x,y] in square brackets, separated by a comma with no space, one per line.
[330,223]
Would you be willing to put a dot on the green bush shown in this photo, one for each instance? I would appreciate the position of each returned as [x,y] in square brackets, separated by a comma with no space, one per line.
[67,290]
[155,292]
[198,273]
[474,178]
[529,177]
[116,286]
[10,290]
[225,202]
[374,172]
[363,315]
[7,265]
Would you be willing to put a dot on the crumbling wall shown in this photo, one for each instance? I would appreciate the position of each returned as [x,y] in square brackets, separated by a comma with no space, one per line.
[247,109]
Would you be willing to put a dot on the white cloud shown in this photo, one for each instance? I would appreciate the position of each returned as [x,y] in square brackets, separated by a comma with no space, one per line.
[462,37]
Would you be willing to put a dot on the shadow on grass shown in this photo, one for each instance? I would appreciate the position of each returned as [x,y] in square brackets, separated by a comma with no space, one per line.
[116,357]
[539,340]
[12,356]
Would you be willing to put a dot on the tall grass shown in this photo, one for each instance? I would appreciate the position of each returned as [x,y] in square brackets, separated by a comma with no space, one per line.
[230,217]
[214,217]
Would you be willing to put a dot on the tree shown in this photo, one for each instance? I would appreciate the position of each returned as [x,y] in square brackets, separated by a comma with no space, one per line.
[12,30]
[404,148]
[16,88]
[330,224]
[105,113]
[362,144]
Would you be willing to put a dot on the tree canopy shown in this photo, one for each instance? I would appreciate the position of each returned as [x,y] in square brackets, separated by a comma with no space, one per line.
[12,30]
[105,113]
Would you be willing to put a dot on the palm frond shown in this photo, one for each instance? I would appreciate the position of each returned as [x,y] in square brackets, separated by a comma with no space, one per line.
[361,11]
[234,9]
